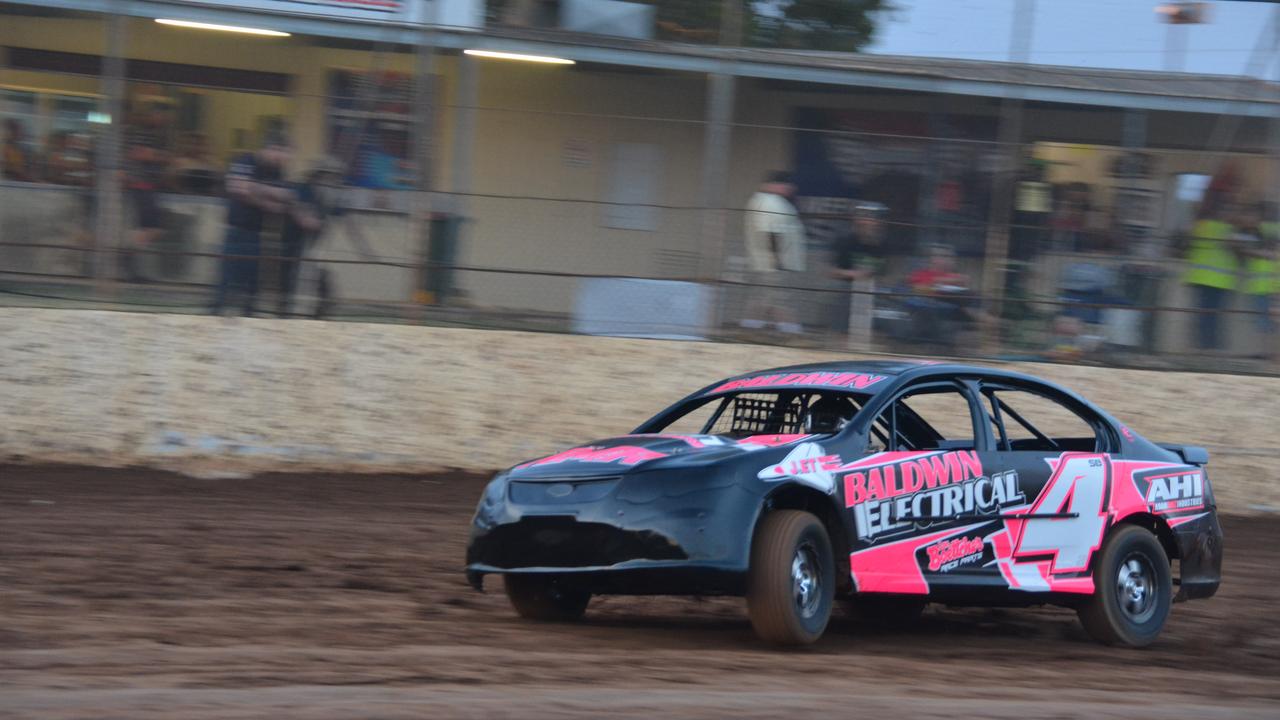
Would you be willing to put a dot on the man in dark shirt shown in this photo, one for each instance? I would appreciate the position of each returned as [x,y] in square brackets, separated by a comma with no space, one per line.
[312,206]
[255,189]
[147,160]
[857,256]
[15,162]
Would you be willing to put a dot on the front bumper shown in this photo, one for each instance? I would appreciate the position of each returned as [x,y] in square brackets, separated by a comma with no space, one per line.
[635,577]
[649,533]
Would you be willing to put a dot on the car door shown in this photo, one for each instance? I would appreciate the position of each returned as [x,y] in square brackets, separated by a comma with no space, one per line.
[923,501]
[1059,453]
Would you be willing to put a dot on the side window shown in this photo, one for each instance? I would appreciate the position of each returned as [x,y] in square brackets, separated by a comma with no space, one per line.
[1034,422]
[761,414]
[932,418]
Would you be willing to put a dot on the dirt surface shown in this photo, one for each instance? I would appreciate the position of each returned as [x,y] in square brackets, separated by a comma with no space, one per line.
[138,594]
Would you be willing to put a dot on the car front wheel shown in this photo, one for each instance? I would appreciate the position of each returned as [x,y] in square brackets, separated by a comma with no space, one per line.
[791,581]
[1133,590]
[546,598]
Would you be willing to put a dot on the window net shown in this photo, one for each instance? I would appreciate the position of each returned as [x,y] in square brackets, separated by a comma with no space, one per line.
[761,415]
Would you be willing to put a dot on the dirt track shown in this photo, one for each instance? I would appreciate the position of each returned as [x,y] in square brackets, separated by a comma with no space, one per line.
[135,594]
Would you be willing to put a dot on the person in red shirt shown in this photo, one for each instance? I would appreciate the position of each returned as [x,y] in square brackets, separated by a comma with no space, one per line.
[941,304]
[939,276]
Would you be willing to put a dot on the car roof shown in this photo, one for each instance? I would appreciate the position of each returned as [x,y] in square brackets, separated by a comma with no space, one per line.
[866,376]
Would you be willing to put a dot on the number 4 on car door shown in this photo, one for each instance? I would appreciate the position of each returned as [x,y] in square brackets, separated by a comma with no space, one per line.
[1061,457]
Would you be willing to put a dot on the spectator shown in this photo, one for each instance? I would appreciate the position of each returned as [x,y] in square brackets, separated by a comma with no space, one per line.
[17,156]
[147,158]
[1262,270]
[1143,275]
[1068,342]
[942,304]
[857,256]
[775,245]
[193,172]
[69,162]
[1211,269]
[1089,282]
[312,206]
[939,275]
[255,189]
[1072,220]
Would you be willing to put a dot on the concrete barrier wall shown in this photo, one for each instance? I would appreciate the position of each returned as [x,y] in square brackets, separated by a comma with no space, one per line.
[210,395]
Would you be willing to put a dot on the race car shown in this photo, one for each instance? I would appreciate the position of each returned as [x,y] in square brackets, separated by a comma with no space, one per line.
[882,485]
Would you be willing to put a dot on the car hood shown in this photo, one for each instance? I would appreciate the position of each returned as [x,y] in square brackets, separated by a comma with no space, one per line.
[617,455]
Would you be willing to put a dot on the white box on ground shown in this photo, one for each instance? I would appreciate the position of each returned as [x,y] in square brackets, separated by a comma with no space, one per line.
[663,309]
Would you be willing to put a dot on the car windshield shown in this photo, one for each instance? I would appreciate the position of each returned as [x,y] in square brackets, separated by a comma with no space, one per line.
[739,415]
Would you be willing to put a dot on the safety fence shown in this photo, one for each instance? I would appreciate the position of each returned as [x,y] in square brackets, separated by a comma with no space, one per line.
[598,199]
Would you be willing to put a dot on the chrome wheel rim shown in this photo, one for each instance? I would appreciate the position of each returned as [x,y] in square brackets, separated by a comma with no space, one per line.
[806,583]
[1136,588]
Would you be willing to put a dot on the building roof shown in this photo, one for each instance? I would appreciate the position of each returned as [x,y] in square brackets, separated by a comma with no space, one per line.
[1050,83]
[1176,92]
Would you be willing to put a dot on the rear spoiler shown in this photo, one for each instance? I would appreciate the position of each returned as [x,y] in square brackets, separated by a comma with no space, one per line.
[1190,454]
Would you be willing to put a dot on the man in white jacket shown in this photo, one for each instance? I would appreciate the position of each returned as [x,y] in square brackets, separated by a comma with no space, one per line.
[775,245]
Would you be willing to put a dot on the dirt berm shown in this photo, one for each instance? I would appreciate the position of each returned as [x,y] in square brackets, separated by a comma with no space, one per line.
[213,396]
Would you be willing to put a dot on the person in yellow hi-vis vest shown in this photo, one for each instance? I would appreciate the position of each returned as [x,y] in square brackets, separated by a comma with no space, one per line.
[1212,269]
[1262,273]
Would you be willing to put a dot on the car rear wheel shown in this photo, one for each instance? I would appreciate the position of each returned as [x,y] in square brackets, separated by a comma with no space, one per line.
[791,581]
[1133,590]
[545,598]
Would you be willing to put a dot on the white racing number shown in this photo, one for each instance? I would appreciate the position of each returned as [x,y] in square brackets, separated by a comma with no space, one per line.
[1079,486]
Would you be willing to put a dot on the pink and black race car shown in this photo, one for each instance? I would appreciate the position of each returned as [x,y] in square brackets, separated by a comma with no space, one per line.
[885,485]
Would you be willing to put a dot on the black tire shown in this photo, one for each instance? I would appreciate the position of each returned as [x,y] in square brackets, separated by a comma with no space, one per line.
[885,610]
[1133,589]
[791,581]
[545,598]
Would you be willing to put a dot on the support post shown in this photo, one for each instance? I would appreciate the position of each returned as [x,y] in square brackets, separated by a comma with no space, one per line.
[717,134]
[1271,342]
[1009,136]
[109,225]
[465,131]
[424,145]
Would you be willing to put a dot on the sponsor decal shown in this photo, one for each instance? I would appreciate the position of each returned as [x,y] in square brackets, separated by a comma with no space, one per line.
[755,442]
[1172,492]
[892,567]
[622,454]
[809,464]
[856,381]
[693,441]
[916,492]
[1175,522]
[948,555]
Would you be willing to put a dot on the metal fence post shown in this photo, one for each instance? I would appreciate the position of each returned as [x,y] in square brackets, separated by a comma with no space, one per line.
[1009,136]
[1271,344]
[424,145]
[464,131]
[109,216]
[717,134]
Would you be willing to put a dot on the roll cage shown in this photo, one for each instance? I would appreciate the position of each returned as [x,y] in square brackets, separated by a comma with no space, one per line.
[992,416]
[781,411]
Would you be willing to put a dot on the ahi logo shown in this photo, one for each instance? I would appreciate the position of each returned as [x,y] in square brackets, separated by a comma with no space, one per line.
[1172,491]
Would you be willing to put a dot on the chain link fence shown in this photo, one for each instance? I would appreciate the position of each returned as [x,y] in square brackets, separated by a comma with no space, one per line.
[422,186]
